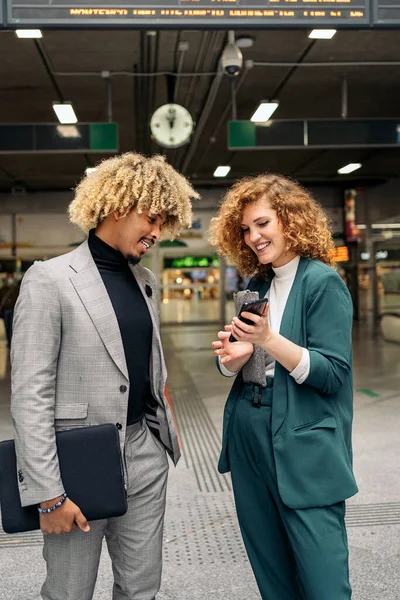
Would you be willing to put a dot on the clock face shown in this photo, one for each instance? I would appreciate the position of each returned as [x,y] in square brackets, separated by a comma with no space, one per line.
[171,125]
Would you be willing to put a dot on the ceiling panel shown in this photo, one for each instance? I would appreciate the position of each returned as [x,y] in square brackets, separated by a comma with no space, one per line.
[68,65]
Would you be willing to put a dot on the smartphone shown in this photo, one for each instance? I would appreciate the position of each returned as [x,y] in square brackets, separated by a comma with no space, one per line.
[256,307]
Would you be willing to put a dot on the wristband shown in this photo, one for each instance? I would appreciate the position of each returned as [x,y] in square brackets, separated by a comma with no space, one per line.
[44,511]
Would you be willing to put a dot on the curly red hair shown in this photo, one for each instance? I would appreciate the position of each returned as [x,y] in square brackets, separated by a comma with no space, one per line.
[304,222]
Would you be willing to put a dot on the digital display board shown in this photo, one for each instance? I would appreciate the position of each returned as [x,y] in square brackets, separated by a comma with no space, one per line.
[386,12]
[197,13]
[340,254]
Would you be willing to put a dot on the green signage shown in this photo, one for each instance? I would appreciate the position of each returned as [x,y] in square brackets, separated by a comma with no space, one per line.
[54,137]
[191,262]
[241,134]
[282,134]
[103,136]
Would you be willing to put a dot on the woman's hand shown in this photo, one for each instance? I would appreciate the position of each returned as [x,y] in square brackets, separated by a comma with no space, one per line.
[236,354]
[281,349]
[258,332]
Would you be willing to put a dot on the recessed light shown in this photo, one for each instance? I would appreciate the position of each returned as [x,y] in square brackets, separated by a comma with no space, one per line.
[264,111]
[65,112]
[245,41]
[322,34]
[222,171]
[28,33]
[349,168]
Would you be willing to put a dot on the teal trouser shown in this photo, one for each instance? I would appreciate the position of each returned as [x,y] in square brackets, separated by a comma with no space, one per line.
[295,554]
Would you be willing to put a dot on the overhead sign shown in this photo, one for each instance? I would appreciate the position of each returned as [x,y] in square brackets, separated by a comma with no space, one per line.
[386,12]
[313,133]
[340,254]
[175,13]
[82,137]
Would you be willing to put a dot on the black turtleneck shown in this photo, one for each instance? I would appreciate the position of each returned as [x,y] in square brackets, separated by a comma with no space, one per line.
[133,319]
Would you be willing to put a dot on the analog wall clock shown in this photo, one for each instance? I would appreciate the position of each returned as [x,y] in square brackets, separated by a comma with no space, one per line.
[171,125]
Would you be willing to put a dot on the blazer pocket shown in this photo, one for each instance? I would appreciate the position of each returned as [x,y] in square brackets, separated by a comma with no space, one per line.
[71,411]
[325,423]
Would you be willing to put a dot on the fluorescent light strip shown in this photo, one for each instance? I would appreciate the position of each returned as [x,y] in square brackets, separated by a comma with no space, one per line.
[322,34]
[222,171]
[264,111]
[28,33]
[349,168]
[65,113]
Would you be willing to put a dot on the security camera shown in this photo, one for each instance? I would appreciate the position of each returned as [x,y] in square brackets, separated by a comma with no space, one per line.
[231,60]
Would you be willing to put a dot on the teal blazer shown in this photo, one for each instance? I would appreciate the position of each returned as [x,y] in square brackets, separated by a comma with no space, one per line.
[311,422]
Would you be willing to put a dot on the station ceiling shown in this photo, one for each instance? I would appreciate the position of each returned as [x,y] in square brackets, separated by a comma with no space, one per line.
[67,65]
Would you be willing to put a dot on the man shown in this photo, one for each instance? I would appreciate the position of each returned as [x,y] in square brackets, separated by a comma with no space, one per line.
[86,350]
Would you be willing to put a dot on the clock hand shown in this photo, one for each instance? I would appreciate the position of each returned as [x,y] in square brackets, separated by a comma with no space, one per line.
[171,117]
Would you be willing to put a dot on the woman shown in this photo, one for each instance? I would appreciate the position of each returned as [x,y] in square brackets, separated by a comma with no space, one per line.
[287,442]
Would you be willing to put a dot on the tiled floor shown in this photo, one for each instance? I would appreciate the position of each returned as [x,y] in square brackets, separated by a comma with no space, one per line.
[203,554]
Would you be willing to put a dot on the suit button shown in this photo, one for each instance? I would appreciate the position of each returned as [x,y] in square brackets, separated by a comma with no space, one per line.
[122,388]
[119,426]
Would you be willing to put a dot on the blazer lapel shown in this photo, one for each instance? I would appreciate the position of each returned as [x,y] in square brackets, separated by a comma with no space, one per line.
[288,314]
[158,368]
[280,384]
[89,286]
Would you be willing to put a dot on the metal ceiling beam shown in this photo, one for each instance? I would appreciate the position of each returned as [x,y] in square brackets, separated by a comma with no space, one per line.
[129,74]
[154,82]
[211,59]
[49,69]
[200,53]
[285,80]
[251,63]
[222,121]
[367,63]
[212,94]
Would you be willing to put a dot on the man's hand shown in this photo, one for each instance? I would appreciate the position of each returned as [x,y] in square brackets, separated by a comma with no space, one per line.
[63,519]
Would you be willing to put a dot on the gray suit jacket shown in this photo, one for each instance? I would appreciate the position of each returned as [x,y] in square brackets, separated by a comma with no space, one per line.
[68,366]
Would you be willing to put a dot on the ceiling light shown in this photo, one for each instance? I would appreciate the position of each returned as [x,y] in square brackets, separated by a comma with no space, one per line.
[322,34]
[244,41]
[264,111]
[65,113]
[222,171]
[28,33]
[349,168]
[90,170]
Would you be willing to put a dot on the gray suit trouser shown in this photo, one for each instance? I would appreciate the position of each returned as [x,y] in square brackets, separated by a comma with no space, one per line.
[134,540]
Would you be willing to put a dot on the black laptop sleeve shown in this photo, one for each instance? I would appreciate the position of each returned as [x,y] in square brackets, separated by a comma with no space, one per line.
[91,471]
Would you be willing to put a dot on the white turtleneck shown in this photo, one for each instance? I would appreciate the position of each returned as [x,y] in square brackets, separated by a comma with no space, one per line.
[277,296]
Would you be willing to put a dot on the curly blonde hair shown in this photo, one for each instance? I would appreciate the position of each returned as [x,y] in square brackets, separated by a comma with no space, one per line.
[133,181]
[305,225]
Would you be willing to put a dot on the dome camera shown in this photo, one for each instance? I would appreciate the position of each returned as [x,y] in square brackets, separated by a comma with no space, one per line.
[231,60]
